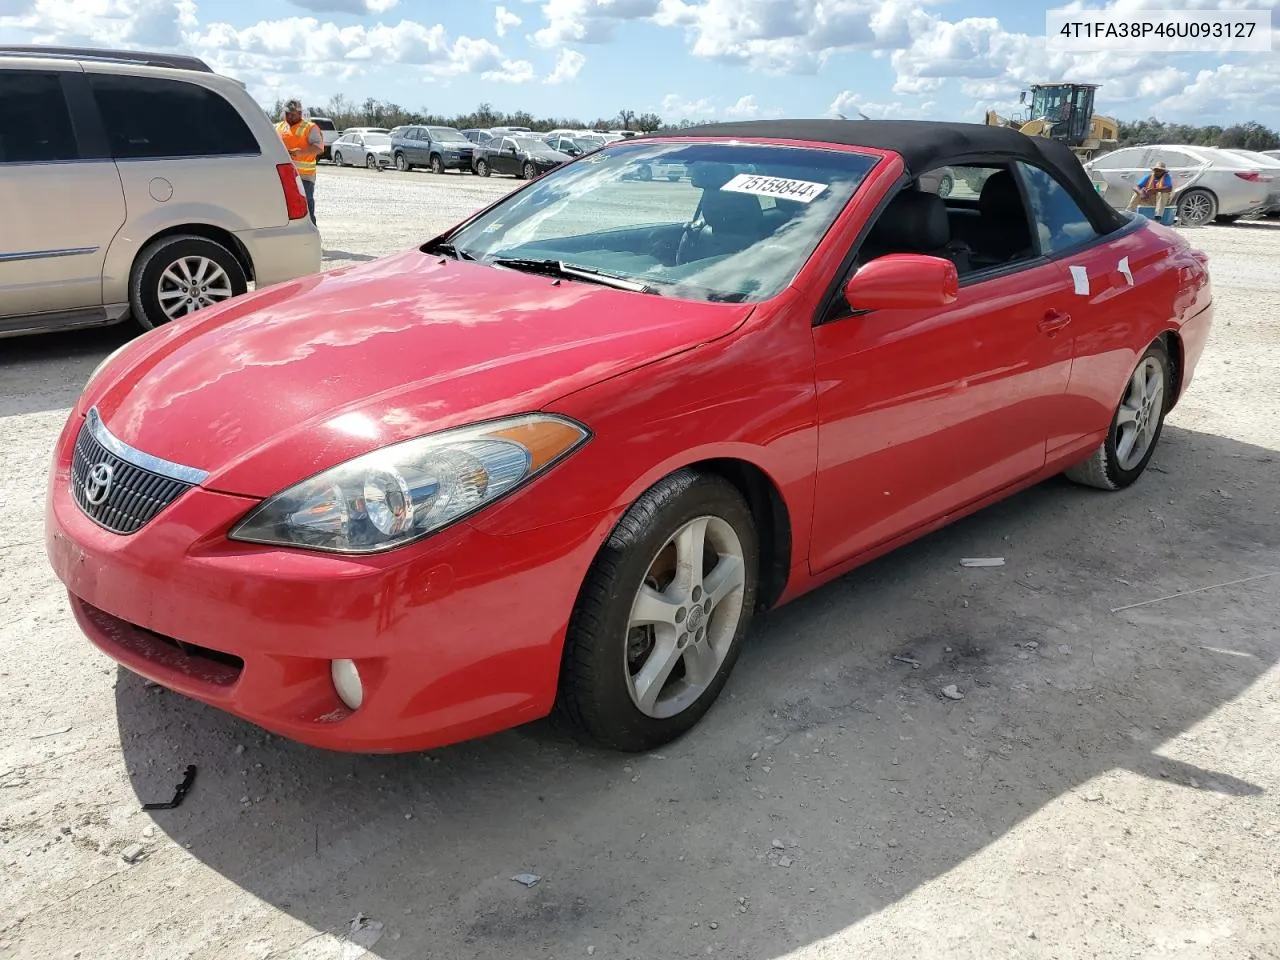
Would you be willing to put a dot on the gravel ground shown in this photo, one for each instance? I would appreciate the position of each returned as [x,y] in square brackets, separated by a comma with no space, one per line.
[1107,786]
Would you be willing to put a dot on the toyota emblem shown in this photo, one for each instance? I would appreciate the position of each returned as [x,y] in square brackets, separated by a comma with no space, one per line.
[97,485]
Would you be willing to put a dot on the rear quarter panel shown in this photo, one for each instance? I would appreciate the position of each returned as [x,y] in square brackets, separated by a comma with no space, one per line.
[1170,289]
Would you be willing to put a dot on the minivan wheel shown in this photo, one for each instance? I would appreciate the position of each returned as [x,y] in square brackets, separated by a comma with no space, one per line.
[436,165]
[176,276]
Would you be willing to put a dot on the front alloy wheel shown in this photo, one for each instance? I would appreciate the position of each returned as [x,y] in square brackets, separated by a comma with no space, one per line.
[1135,428]
[661,616]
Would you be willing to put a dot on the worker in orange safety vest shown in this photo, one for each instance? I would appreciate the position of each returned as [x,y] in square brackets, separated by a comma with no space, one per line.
[305,142]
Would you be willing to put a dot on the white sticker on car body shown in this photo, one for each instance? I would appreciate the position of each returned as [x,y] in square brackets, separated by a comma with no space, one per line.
[1123,267]
[804,191]
[1081,278]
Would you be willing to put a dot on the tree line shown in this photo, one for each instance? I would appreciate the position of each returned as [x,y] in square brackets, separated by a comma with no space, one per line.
[377,113]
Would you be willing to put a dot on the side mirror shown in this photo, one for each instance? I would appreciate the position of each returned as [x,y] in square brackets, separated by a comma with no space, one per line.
[903,281]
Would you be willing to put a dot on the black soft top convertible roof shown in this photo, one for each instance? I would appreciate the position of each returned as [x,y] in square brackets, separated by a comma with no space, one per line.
[927,144]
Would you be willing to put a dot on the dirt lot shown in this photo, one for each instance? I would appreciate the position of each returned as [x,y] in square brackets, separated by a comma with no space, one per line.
[1106,788]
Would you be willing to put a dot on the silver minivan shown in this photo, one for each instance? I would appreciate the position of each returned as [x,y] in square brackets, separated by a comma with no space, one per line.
[137,185]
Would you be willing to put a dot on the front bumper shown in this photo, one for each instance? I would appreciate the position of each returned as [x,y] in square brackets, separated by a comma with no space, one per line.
[455,637]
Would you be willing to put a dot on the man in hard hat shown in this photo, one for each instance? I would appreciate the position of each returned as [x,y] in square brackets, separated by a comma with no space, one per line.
[305,142]
[1157,184]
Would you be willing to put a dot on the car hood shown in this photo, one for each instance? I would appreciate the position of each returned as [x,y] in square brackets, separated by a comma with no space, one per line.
[276,385]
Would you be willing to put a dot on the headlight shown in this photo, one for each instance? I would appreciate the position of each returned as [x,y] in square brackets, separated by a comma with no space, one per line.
[408,490]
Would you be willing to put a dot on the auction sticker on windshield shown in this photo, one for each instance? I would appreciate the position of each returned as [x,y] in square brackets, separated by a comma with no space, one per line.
[803,190]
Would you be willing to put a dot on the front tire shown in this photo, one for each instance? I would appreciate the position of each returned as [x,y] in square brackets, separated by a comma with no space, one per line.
[371,161]
[661,616]
[437,165]
[337,159]
[482,168]
[179,275]
[528,171]
[1135,427]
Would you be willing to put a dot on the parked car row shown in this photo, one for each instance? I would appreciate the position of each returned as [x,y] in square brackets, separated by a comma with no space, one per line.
[515,151]
[1209,183]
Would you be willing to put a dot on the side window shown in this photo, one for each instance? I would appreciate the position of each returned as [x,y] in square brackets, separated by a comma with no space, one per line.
[1059,221]
[35,125]
[146,117]
[1125,159]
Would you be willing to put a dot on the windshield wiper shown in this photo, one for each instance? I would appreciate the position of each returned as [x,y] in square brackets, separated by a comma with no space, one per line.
[449,249]
[558,268]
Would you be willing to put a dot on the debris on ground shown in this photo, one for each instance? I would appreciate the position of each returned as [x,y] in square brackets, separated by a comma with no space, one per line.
[179,792]
[951,692]
[528,879]
[785,861]
[915,664]
[982,562]
[133,853]
[51,733]
[1093,796]
[362,934]
[778,845]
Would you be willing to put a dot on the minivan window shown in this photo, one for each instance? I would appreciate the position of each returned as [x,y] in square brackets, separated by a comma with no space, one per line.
[147,117]
[35,125]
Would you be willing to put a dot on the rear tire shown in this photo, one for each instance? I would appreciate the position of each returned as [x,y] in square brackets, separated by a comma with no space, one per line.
[1135,426]
[1197,207]
[151,283]
[402,164]
[654,635]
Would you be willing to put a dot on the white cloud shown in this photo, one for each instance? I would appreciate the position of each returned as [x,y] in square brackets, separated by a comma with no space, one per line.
[511,71]
[853,106]
[588,21]
[357,7]
[504,19]
[676,107]
[568,66]
[121,23]
[1232,90]
[746,108]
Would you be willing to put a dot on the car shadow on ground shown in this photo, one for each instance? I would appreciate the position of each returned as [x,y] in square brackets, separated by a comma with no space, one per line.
[872,782]
[47,371]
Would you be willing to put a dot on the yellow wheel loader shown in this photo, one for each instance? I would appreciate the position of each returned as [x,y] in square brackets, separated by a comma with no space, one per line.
[1064,112]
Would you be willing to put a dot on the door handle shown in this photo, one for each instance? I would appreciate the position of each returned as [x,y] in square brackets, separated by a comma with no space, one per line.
[1054,320]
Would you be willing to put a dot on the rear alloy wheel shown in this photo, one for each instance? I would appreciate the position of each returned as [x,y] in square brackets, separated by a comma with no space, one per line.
[660,619]
[437,166]
[945,186]
[482,168]
[1197,207]
[1139,419]
[402,164]
[178,275]
[529,170]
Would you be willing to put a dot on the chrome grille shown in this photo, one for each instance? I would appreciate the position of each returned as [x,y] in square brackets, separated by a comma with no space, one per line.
[119,488]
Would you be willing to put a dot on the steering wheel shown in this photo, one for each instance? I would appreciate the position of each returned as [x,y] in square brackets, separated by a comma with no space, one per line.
[690,232]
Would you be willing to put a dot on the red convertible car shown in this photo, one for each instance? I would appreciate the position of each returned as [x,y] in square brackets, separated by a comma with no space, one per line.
[558,456]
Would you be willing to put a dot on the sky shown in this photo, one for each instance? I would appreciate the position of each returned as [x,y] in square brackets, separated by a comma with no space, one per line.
[680,59]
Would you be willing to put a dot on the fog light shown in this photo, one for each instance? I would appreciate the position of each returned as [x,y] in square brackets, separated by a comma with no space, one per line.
[346,681]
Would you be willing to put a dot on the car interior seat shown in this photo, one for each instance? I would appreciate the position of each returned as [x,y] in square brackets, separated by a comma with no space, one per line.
[1003,224]
[915,222]
[725,221]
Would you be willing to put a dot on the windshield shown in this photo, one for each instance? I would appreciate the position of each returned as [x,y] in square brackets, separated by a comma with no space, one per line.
[738,230]
[447,134]
[375,139]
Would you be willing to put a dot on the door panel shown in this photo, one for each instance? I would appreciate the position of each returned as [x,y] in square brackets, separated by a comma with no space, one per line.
[922,412]
[59,206]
